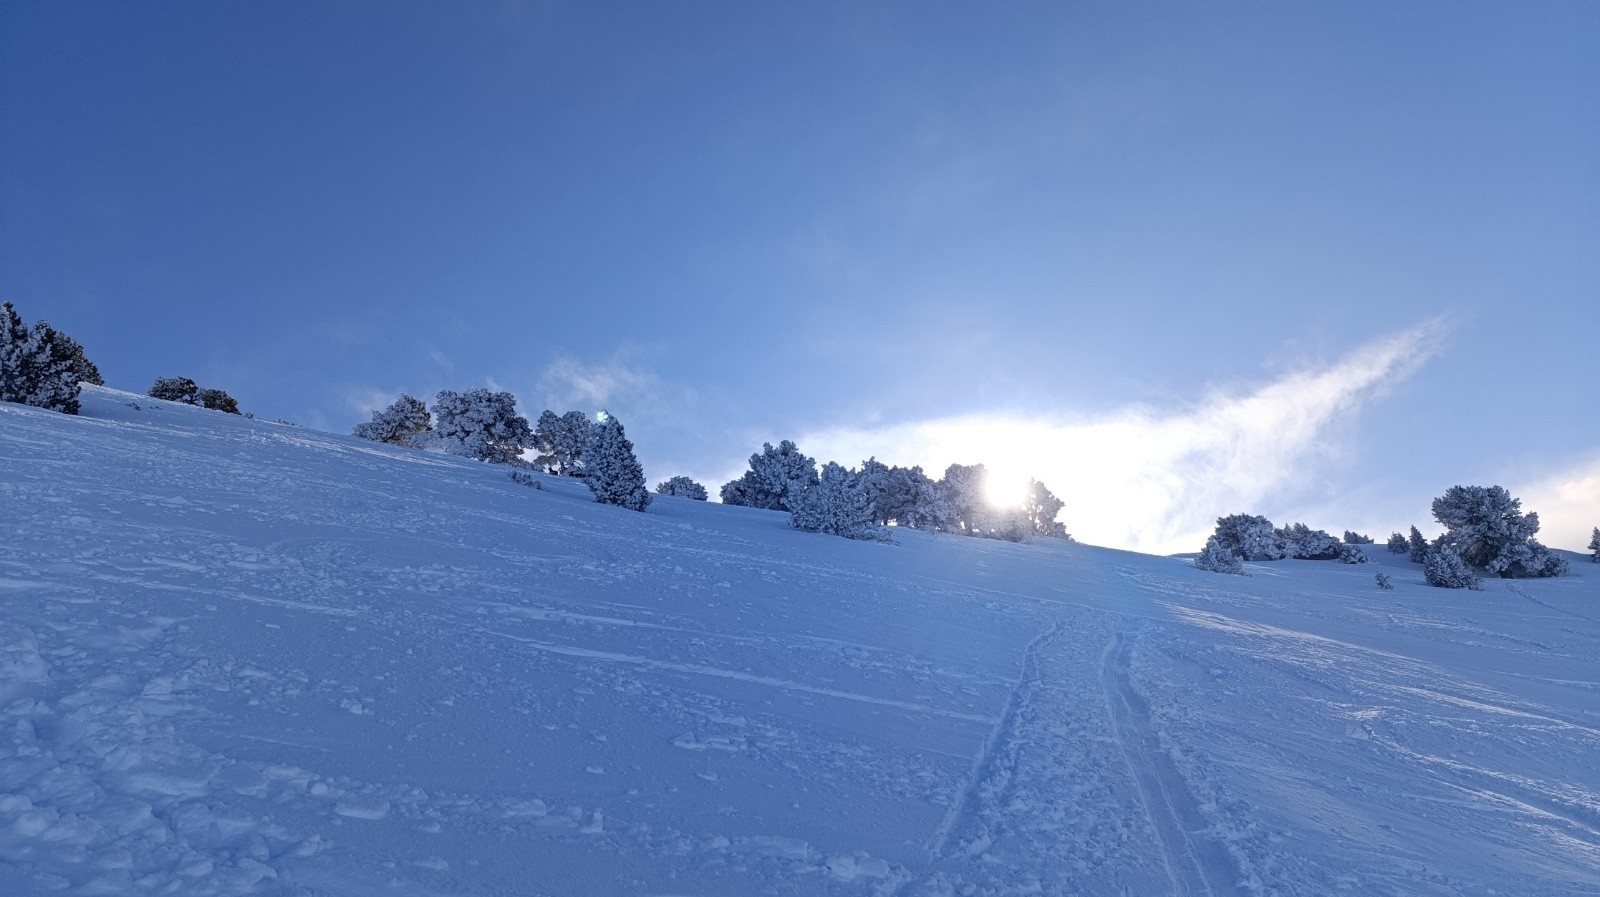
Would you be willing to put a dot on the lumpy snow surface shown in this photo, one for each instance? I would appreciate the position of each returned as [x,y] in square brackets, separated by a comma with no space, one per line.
[248,658]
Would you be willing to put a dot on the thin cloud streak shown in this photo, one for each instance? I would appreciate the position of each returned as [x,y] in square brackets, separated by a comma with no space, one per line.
[1152,481]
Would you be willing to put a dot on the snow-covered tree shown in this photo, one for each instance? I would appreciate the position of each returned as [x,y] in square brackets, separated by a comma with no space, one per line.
[402,423]
[1351,553]
[1218,558]
[560,441]
[1397,544]
[80,363]
[1355,538]
[682,487]
[1594,545]
[176,389]
[611,470]
[1419,547]
[481,424]
[1445,568]
[1304,543]
[40,366]
[1384,583]
[917,501]
[838,505]
[1041,507]
[217,400]
[1486,527]
[965,491]
[775,479]
[1248,537]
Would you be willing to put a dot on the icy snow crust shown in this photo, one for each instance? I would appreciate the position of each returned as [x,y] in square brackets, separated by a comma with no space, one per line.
[246,658]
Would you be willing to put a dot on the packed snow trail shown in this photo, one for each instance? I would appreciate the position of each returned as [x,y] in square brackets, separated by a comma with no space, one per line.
[246,658]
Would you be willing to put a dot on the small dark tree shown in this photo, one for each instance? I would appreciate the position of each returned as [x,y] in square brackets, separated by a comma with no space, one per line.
[1351,554]
[1397,544]
[682,487]
[1594,545]
[1355,538]
[176,389]
[217,400]
[1384,583]
[41,367]
[611,470]
[481,424]
[81,365]
[1419,547]
[402,423]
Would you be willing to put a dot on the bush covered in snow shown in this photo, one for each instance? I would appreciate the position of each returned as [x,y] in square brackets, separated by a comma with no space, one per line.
[1486,528]
[610,468]
[1354,538]
[561,441]
[838,505]
[682,487]
[1248,537]
[1397,544]
[1351,554]
[403,423]
[1444,568]
[480,424]
[1384,583]
[1304,543]
[1218,558]
[217,400]
[775,479]
[182,389]
[40,366]
[1419,547]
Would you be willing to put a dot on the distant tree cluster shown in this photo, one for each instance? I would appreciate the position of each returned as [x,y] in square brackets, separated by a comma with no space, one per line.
[683,487]
[859,503]
[40,365]
[1245,537]
[182,389]
[484,425]
[1485,531]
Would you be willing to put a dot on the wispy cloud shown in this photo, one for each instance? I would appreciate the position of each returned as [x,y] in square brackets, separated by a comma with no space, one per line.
[1154,480]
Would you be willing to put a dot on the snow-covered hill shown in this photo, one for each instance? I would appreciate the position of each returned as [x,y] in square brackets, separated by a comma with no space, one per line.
[246,658]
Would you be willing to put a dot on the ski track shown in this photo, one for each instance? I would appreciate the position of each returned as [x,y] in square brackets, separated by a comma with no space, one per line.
[1197,864]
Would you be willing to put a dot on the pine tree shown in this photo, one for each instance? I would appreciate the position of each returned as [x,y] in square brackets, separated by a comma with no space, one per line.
[1384,583]
[837,505]
[611,470]
[1487,528]
[217,400]
[1397,544]
[964,489]
[1445,569]
[1249,538]
[481,424]
[775,479]
[175,389]
[1041,508]
[14,358]
[682,487]
[560,441]
[1419,547]
[1594,545]
[39,366]
[1355,538]
[402,423]
[1218,558]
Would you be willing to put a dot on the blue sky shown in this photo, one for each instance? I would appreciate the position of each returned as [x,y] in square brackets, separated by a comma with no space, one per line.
[1317,262]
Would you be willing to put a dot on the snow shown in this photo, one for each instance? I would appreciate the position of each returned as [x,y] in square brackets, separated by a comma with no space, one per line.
[246,658]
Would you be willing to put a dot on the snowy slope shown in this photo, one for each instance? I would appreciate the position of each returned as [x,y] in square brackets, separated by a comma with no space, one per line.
[246,658]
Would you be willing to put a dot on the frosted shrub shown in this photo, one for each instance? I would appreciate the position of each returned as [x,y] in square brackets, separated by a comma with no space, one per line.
[1219,559]
[1397,544]
[777,476]
[611,470]
[682,487]
[1041,508]
[1304,543]
[1351,554]
[175,389]
[1248,538]
[1384,583]
[1445,568]
[1355,538]
[403,423]
[480,424]
[41,366]
[837,505]
[561,441]
[217,400]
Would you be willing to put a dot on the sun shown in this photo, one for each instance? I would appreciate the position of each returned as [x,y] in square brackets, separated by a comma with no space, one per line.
[1006,488]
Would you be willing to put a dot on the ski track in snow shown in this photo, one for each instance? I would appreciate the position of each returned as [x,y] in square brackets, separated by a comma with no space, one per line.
[242,658]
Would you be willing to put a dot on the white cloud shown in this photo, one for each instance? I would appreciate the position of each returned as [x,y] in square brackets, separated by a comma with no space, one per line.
[1153,480]
[1568,504]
